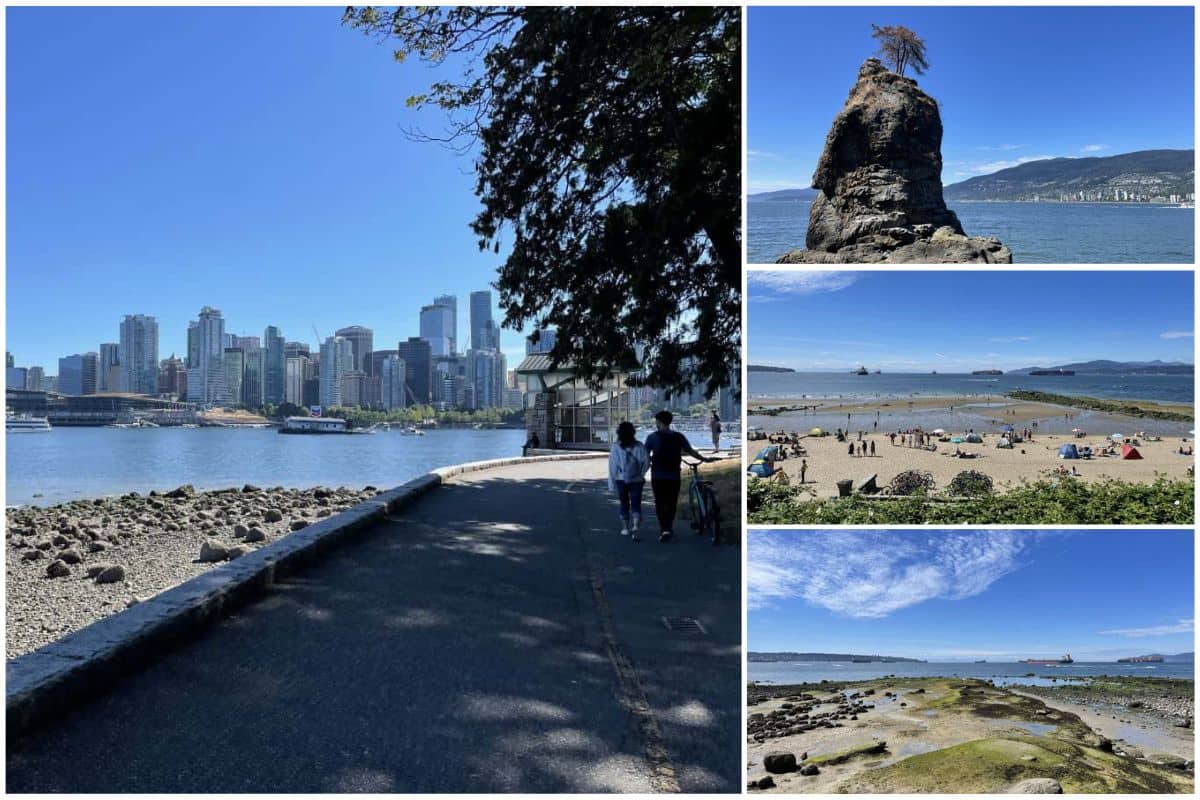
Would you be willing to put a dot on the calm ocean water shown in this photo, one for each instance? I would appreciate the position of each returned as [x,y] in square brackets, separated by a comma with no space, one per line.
[71,463]
[1002,673]
[1037,233]
[981,414]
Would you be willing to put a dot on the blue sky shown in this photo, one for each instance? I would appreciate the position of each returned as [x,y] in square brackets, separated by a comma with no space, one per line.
[959,321]
[1013,83]
[249,159]
[972,594]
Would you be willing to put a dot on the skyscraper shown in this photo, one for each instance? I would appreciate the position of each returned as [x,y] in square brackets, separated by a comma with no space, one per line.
[17,377]
[9,361]
[274,367]
[392,373]
[293,382]
[172,377]
[337,358]
[546,339]
[451,302]
[362,342]
[35,377]
[235,374]
[138,354]
[437,328]
[77,373]
[418,369]
[108,370]
[206,359]
[484,335]
[485,376]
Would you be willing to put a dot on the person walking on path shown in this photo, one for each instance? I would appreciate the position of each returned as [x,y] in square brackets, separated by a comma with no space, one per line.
[627,464]
[803,468]
[666,448]
[714,425]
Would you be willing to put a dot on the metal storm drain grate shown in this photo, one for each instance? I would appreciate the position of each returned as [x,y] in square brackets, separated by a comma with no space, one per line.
[683,624]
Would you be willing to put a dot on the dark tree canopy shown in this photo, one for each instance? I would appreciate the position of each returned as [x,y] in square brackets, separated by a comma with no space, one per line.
[900,48]
[607,145]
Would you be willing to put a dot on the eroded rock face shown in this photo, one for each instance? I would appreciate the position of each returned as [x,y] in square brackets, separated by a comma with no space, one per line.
[880,198]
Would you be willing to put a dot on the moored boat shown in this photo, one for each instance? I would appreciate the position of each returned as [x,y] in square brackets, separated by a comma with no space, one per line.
[25,423]
[314,425]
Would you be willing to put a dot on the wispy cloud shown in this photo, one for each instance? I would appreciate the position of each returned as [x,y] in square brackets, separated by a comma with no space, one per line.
[1001,147]
[869,574]
[763,154]
[800,282]
[988,167]
[1182,626]
[1176,335]
[1093,148]
[1011,339]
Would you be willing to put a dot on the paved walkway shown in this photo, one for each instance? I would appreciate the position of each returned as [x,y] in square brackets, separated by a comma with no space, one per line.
[497,636]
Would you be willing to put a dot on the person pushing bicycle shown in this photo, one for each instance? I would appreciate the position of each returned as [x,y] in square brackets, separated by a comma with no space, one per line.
[666,448]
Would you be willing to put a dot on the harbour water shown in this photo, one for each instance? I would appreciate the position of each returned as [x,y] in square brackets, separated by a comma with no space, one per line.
[781,672]
[72,463]
[1037,233]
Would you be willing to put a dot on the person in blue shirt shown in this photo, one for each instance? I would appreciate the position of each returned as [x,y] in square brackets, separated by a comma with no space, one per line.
[666,448]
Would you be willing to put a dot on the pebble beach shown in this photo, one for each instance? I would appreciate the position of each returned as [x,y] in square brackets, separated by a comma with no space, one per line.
[71,564]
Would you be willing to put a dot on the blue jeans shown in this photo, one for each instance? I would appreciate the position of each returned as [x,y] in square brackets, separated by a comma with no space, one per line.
[630,495]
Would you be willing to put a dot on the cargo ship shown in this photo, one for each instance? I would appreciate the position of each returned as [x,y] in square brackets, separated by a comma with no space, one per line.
[861,371]
[988,372]
[1049,661]
[1052,372]
[1141,660]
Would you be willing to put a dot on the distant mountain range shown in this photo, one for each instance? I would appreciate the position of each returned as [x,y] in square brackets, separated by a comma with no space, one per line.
[770,657]
[1103,367]
[765,368]
[1146,176]
[782,196]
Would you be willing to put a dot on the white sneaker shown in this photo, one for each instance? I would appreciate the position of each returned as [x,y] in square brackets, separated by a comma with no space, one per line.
[637,522]
[624,531]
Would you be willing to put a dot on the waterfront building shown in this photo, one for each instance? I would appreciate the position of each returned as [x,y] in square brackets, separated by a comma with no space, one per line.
[392,376]
[254,384]
[206,359]
[546,339]
[485,376]
[293,382]
[235,375]
[15,377]
[9,361]
[50,383]
[312,392]
[35,377]
[138,354]
[172,377]
[451,302]
[418,365]
[437,328]
[442,367]
[77,373]
[108,370]
[376,358]
[337,358]
[362,342]
[274,365]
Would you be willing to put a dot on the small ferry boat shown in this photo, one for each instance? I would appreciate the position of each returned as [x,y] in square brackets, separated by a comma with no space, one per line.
[316,425]
[25,423]
[412,430]
[861,371]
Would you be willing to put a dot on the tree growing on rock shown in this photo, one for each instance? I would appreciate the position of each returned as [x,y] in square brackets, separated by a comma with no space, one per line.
[607,155]
[900,48]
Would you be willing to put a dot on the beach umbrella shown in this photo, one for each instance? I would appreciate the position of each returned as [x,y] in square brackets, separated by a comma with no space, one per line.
[1117,436]
[816,432]
[938,431]
[1076,430]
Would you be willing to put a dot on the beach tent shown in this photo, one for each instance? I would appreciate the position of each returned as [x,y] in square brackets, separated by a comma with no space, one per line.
[974,438]
[763,464]
[956,439]
[1117,436]
[938,431]
[1007,428]
[1130,453]
[816,432]
[1068,451]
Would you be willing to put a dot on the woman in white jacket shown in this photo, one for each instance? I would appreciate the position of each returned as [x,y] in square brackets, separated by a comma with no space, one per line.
[627,465]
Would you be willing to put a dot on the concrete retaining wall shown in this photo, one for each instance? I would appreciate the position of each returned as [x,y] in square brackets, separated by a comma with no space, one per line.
[46,683]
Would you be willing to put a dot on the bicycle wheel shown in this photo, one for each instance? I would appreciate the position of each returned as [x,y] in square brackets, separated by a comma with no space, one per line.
[696,506]
[714,514]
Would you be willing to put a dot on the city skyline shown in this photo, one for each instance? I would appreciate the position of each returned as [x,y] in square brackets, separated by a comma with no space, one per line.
[965,595]
[193,188]
[953,322]
[1075,100]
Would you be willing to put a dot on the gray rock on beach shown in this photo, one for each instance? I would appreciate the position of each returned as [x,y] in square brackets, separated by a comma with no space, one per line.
[255,535]
[779,762]
[212,551]
[112,574]
[58,569]
[1037,786]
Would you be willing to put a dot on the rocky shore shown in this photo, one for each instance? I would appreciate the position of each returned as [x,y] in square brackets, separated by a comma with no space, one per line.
[71,564]
[936,735]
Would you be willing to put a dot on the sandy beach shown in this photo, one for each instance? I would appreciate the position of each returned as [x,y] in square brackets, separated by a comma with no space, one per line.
[828,462]
[1017,409]
[937,735]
